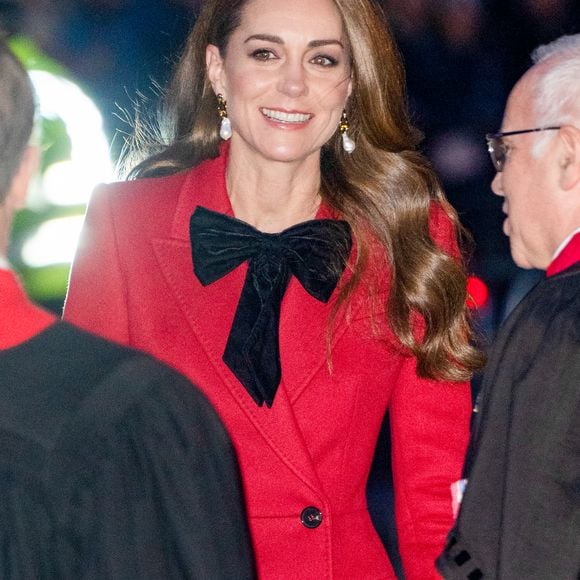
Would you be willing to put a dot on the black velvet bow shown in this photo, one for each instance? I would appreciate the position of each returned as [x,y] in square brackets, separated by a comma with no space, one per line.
[315,252]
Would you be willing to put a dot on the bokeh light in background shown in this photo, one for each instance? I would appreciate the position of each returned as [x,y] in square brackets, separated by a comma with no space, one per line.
[75,158]
[70,181]
[477,293]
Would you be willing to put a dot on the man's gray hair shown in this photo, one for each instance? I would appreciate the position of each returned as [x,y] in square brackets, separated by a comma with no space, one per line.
[16,116]
[557,90]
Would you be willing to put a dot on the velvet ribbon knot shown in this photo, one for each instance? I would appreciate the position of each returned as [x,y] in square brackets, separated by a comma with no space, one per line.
[315,252]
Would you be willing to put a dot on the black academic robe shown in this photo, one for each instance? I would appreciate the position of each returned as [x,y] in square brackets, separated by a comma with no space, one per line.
[520,517]
[112,466]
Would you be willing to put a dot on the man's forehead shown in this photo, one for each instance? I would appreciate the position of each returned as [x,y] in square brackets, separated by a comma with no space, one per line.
[519,110]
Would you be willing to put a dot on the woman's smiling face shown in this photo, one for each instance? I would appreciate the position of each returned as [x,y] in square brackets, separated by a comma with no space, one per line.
[286,77]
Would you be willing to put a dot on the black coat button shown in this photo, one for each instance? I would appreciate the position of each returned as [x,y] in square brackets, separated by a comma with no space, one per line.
[311,517]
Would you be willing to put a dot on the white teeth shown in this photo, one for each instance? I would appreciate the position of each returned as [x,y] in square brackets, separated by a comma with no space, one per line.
[286,117]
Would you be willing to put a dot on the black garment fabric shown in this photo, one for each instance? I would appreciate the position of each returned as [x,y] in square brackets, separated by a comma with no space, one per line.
[112,466]
[520,516]
[315,252]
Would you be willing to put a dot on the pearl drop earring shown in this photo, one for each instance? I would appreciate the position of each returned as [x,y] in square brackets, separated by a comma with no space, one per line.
[347,143]
[226,125]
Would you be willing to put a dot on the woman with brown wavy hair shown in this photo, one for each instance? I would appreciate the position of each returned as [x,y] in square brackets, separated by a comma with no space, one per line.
[286,247]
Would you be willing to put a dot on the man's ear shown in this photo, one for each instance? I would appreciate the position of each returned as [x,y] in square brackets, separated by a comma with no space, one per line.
[569,157]
[215,69]
[28,167]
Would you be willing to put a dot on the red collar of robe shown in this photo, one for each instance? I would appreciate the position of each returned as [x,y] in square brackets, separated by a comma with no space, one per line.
[20,320]
[566,258]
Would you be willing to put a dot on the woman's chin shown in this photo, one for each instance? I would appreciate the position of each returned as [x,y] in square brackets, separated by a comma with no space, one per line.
[285,153]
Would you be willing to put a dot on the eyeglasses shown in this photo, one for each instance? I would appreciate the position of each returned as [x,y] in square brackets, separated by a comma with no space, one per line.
[498,149]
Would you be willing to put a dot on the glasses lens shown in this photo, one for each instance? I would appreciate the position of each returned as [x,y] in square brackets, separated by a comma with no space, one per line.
[497,152]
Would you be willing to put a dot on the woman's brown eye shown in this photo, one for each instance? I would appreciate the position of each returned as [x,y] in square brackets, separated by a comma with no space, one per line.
[262,54]
[325,60]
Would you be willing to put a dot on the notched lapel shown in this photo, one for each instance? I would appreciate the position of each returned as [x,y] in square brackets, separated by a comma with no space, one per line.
[307,333]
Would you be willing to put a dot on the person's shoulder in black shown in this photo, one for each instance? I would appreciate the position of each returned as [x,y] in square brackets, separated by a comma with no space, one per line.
[112,465]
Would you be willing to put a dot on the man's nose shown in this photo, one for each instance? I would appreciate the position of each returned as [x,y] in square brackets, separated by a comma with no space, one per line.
[497,185]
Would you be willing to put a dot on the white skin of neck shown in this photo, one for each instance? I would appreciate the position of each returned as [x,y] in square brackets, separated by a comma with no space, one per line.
[273,196]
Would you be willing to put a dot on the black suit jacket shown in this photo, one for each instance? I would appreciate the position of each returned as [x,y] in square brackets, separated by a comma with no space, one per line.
[520,517]
[112,466]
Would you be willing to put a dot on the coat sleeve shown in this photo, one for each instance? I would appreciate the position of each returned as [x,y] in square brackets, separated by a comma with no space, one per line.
[430,432]
[97,293]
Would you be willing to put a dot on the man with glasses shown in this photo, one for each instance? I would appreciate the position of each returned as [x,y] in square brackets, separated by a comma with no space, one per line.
[520,514]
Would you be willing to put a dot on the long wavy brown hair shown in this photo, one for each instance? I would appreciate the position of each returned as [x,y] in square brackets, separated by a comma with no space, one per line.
[384,189]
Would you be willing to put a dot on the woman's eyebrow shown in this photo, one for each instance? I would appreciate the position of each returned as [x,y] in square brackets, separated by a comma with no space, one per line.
[278,40]
[266,37]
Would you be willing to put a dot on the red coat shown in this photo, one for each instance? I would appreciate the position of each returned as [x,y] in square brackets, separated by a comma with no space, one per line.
[132,281]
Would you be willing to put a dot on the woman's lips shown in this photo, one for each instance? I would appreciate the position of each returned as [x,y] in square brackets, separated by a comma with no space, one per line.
[286,117]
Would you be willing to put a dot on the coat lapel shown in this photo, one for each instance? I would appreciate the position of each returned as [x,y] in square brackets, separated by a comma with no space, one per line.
[307,332]
[210,310]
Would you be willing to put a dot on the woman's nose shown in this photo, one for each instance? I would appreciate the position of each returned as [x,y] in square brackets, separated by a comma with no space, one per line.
[293,80]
